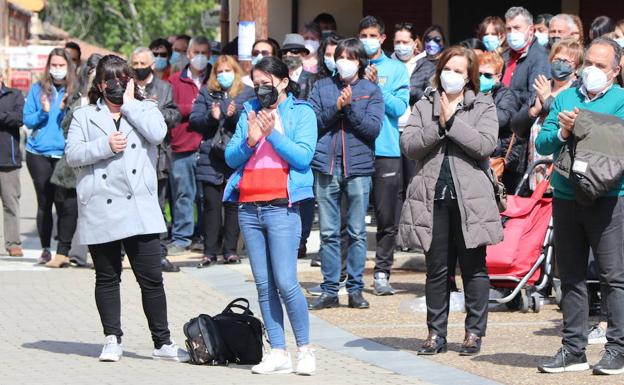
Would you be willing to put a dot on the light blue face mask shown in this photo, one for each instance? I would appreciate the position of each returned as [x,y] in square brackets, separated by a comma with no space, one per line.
[491,42]
[225,79]
[255,60]
[160,63]
[486,84]
[175,57]
[330,64]
[371,46]
[213,59]
[620,42]
[542,38]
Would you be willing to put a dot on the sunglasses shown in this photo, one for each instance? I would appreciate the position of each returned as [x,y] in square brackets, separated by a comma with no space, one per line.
[437,39]
[487,75]
[408,26]
[264,53]
[160,54]
[296,51]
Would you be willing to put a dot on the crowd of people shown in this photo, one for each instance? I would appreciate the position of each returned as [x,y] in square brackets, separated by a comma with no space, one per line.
[329,123]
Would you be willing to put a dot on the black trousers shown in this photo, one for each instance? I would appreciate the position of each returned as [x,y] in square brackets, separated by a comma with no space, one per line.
[576,229]
[219,227]
[447,246]
[144,255]
[40,168]
[387,195]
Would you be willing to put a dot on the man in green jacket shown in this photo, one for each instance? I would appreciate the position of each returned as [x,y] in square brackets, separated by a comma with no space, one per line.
[599,225]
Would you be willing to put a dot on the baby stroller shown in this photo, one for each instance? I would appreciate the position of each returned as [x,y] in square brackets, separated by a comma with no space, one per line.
[521,265]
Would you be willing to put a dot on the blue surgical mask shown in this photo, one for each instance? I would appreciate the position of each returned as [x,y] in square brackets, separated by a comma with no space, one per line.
[371,45]
[542,38]
[620,41]
[432,48]
[330,63]
[255,60]
[516,40]
[491,42]
[225,79]
[175,57]
[160,63]
[213,59]
[486,84]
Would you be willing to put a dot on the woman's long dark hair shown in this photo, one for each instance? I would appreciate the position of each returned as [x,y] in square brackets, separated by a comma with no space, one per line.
[273,66]
[112,67]
[70,79]
[83,78]
[323,71]
[355,50]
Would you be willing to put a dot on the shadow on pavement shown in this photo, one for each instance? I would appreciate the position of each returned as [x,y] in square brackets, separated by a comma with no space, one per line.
[554,330]
[512,359]
[77,348]
[368,345]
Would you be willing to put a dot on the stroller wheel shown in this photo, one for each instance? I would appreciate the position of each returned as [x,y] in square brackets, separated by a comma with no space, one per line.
[557,289]
[525,301]
[536,302]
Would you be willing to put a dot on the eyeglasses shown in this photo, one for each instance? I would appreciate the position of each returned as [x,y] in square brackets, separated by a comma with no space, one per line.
[487,75]
[437,39]
[160,54]
[295,51]
[264,53]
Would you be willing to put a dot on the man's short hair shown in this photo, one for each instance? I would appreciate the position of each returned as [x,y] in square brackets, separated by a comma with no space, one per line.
[199,40]
[566,19]
[140,50]
[617,51]
[160,42]
[515,11]
[325,18]
[372,21]
[74,45]
[183,37]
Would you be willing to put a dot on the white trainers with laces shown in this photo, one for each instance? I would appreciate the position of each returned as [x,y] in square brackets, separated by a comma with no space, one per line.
[274,362]
[112,351]
[170,352]
[306,362]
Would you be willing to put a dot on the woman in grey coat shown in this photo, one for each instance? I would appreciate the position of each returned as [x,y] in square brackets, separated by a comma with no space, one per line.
[450,210]
[114,142]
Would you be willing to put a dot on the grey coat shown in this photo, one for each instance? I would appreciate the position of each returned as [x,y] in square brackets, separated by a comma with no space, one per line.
[470,140]
[117,193]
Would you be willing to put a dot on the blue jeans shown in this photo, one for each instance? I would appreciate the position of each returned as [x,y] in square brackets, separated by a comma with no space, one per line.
[306,209]
[183,190]
[272,235]
[328,190]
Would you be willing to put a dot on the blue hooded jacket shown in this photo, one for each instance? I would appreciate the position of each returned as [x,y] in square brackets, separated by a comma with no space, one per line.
[47,136]
[295,146]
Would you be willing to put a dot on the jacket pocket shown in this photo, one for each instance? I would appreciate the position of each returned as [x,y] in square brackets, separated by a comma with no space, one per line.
[85,184]
[150,179]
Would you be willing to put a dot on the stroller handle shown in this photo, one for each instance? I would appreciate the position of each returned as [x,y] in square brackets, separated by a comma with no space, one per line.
[531,169]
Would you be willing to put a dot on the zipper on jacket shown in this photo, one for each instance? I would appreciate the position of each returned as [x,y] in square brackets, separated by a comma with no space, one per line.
[332,156]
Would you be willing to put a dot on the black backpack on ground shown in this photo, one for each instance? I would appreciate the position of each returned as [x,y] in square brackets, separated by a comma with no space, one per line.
[229,337]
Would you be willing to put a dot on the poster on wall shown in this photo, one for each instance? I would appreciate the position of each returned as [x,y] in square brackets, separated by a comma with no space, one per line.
[246,39]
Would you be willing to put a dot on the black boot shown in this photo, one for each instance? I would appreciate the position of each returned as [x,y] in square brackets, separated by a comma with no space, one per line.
[325,301]
[167,266]
[356,301]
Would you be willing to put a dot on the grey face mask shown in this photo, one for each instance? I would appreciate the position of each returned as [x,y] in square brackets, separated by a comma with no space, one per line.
[292,62]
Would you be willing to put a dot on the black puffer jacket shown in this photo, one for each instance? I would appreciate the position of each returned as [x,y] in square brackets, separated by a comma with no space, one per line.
[211,166]
[507,106]
[11,116]
[421,78]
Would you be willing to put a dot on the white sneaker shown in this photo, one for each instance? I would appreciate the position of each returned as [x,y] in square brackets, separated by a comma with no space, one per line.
[306,362]
[275,362]
[170,352]
[112,351]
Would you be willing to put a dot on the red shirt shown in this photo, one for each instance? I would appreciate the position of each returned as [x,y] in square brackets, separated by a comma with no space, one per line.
[510,66]
[184,94]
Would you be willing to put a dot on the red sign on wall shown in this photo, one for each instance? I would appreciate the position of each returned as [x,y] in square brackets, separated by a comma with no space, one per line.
[20,80]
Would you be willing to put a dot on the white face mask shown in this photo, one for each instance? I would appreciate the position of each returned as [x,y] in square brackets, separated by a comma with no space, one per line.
[346,68]
[312,46]
[58,73]
[594,79]
[452,82]
[516,40]
[199,62]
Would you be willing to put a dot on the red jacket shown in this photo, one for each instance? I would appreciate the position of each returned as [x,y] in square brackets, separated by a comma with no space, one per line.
[184,93]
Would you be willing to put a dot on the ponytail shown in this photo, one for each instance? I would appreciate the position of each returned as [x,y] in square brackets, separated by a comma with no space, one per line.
[293,88]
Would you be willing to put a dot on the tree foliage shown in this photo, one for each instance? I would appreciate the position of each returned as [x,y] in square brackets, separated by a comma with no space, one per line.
[122,25]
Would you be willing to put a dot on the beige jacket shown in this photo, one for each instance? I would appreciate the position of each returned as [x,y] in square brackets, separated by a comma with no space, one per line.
[470,139]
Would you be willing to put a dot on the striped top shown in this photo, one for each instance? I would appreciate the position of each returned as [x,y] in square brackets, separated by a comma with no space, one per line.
[265,176]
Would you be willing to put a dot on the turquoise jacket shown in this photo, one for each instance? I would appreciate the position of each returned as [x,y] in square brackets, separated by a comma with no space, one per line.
[548,142]
[296,146]
[393,79]
[47,135]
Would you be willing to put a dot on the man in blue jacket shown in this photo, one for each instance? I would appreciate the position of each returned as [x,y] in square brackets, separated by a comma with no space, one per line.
[393,79]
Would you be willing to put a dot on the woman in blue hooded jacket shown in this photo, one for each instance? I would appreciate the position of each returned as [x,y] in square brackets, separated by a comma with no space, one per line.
[271,151]
[44,111]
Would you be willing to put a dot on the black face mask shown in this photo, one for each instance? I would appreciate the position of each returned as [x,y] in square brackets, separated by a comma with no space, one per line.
[292,62]
[560,69]
[115,94]
[267,95]
[143,73]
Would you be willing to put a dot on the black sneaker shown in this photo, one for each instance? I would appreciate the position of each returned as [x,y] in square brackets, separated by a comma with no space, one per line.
[565,361]
[325,301]
[612,362]
[168,267]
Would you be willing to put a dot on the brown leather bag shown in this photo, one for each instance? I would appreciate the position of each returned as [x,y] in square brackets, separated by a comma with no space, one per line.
[498,163]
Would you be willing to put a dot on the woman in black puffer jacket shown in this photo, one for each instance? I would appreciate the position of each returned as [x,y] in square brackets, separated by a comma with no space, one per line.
[215,114]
